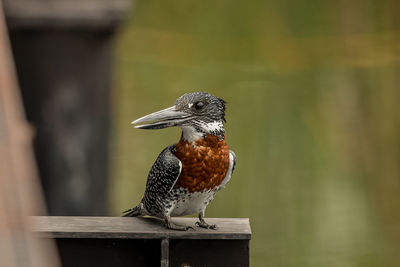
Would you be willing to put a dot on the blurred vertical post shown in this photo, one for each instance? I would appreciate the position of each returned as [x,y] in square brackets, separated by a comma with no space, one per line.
[19,190]
[63,54]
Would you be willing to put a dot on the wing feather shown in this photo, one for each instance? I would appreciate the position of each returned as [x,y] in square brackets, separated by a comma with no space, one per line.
[163,174]
[231,168]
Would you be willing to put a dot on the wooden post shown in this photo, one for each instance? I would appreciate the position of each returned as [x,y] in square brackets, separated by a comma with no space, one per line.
[20,194]
[164,252]
[121,241]
[63,53]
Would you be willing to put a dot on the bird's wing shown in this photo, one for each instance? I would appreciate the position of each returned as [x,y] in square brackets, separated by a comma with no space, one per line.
[164,173]
[231,168]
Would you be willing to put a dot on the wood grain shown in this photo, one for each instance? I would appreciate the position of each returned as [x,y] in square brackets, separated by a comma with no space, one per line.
[136,228]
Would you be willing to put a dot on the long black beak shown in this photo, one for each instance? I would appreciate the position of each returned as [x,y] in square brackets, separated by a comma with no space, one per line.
[161,119]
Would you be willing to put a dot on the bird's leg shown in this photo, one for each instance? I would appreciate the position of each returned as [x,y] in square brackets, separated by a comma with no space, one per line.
[170,225]
[202,223]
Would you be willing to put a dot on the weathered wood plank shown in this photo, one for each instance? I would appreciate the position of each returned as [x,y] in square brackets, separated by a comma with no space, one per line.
[136,228]
[19,186]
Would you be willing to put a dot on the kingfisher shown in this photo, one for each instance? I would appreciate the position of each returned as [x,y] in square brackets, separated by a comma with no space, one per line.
[186,176]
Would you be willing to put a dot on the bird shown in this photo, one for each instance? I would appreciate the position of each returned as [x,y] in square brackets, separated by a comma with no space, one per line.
[186,176]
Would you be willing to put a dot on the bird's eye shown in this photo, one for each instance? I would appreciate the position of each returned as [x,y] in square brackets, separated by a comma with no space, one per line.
[198,105]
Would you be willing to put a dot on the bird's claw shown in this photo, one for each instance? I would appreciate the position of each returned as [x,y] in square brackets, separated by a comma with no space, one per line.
[205,225]
[173,226]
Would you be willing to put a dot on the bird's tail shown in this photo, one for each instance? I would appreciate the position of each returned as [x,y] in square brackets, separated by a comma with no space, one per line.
[134,212]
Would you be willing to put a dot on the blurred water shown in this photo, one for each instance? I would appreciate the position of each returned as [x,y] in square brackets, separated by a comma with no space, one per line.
[312,92]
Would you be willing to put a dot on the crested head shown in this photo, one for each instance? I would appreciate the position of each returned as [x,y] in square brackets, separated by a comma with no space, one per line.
[208,115]
[202,105]
[198,114]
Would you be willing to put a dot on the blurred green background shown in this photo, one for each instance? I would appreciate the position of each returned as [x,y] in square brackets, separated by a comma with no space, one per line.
[312,90]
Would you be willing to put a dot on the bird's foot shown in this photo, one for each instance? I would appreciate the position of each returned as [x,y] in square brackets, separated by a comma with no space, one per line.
[170,225]
[203,224]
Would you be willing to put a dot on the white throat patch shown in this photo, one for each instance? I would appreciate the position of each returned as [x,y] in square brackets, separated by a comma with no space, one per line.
[214,126]
[190,133]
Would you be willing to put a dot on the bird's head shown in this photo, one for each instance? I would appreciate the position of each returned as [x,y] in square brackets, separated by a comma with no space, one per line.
[196,113]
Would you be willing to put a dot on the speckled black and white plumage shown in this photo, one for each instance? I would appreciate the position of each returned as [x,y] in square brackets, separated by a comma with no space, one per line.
[160,182]
[163,197]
